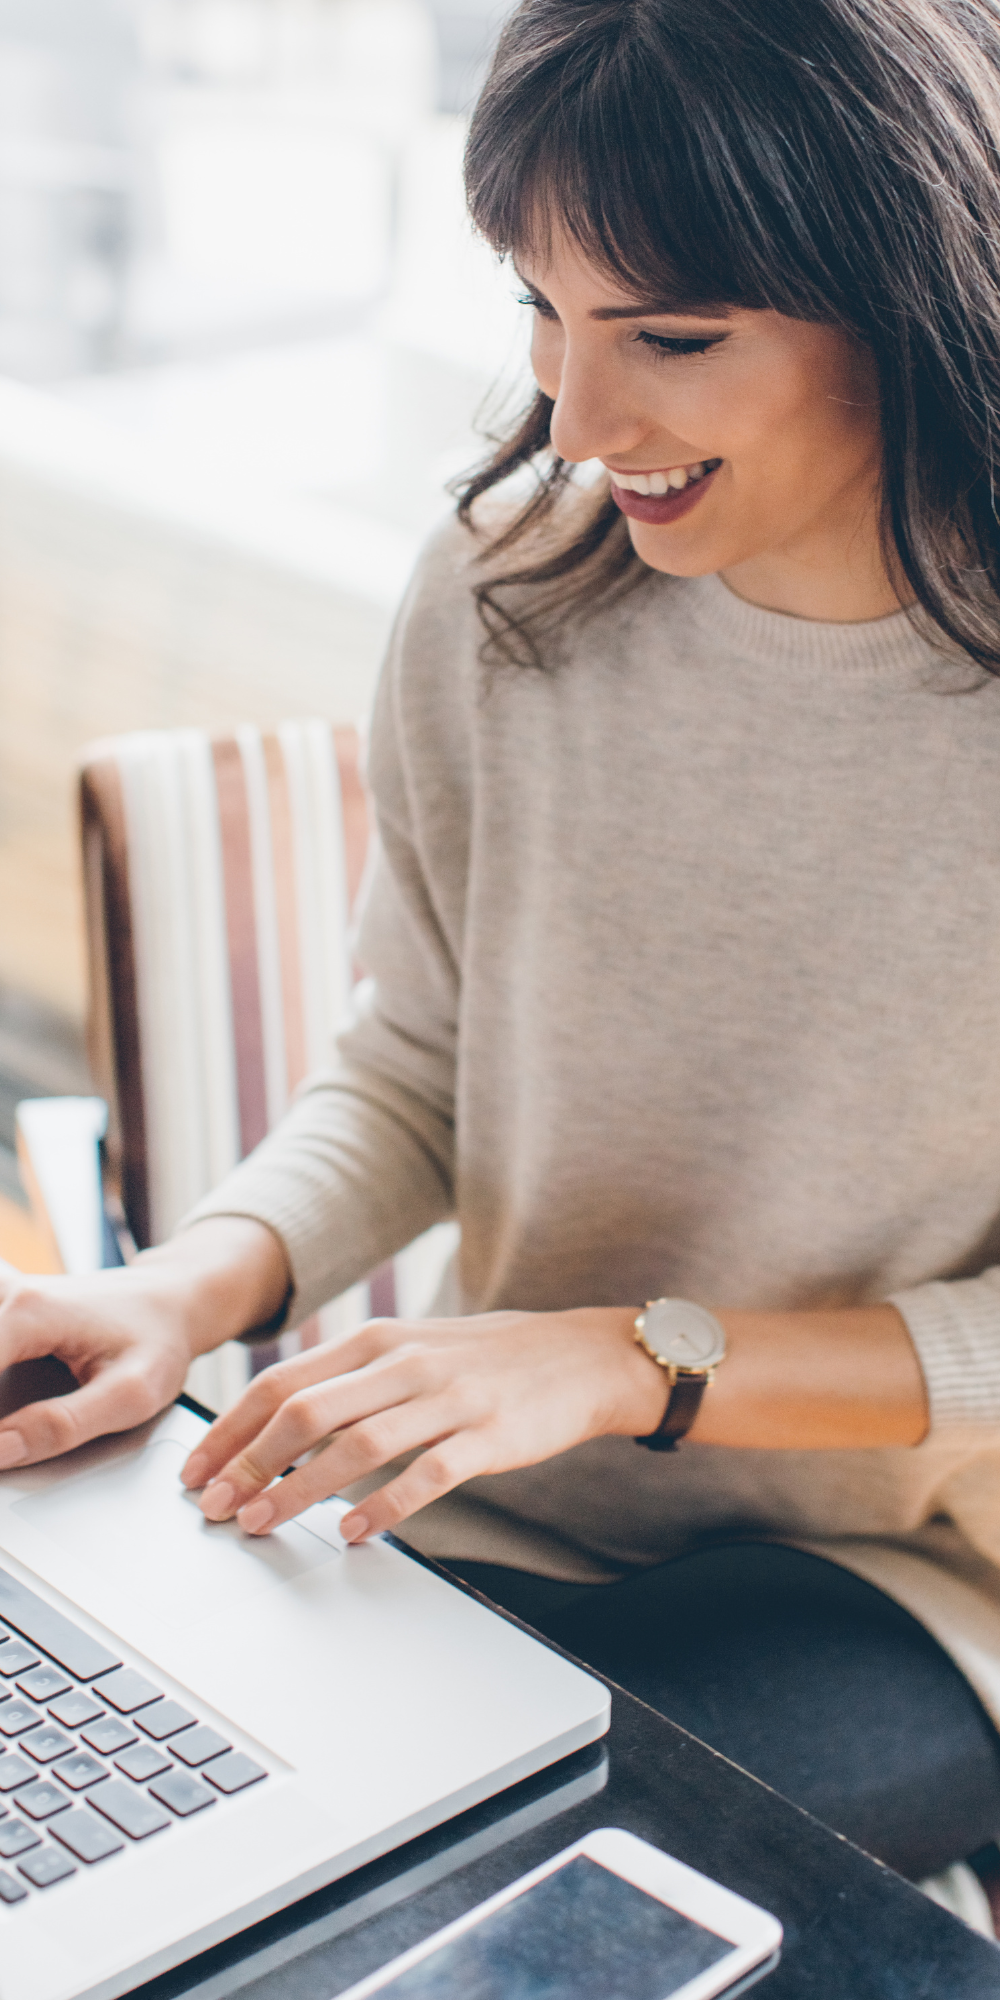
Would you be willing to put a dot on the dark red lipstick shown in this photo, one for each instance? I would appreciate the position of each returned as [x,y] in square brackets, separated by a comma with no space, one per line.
[661,509]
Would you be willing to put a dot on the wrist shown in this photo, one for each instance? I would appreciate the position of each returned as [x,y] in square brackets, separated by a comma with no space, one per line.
[645,1388]
[228,1274]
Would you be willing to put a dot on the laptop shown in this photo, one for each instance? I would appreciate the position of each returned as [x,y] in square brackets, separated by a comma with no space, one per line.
[197,1727]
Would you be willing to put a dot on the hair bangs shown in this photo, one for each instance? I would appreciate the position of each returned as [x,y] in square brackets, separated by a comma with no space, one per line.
[595,166]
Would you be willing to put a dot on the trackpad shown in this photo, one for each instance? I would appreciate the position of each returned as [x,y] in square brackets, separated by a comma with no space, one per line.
[134,1523]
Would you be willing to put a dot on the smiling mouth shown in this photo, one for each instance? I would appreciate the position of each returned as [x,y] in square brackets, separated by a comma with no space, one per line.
[661,483]
[660,498]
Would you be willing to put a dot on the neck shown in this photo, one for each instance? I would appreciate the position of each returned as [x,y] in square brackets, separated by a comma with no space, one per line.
[827,601]
[835,575]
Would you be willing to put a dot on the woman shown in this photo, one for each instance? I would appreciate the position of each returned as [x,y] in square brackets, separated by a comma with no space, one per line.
[685,939]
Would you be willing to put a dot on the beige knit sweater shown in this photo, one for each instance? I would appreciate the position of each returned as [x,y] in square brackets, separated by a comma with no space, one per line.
[684,978]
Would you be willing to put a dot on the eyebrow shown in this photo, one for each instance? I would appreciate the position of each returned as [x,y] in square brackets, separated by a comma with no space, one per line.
[673,309]
[662,309]
[677,309]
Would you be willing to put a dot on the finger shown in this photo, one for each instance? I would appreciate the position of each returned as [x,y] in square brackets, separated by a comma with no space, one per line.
[351,1455]
[116,1399]
[302,1421]
[259,1403]
[447,1464]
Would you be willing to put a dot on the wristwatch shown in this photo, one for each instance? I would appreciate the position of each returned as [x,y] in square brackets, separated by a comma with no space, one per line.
[688,1344]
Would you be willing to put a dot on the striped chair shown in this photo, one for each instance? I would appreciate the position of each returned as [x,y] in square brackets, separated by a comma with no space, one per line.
[219,879]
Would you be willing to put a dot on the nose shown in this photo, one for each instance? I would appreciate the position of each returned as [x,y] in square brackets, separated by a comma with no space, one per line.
[592,417]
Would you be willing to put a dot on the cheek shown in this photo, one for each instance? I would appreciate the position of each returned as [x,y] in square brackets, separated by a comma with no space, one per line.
[712,411]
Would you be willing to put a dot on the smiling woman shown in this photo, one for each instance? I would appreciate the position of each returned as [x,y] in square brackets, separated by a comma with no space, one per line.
[684,939]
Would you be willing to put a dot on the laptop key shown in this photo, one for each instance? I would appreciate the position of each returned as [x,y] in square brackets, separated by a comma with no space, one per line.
[11,1891]
[15,1837]
[142,1763]
[42,1683]
[132,1812]
[196,1746]
[165,1718]
[16,1716]
[126,1690]
[86,1836]
[79,1771]
[42,1799]
[182,1793]
[47,1867]
[109,1735]
[14,1771]
[46,1744]
[74,1709]
[15,1657]
[233,1772]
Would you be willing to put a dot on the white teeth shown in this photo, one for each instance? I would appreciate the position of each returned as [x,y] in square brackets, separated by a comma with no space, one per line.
[659,483]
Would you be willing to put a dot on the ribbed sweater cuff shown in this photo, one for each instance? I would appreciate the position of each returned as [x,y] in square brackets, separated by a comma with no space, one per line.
[955,1327]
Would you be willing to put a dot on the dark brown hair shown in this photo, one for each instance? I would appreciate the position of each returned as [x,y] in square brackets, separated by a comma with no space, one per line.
[835,160]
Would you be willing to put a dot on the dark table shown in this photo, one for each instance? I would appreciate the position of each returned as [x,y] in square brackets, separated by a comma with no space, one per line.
[853,1930]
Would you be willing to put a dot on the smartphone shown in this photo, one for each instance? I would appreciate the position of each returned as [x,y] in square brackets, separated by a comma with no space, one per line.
[610,1918]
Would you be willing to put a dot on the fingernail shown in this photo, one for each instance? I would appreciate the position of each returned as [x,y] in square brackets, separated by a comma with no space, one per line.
[193,1473]
[353,1527]
[257,1515]
[218,1501]
[12,1449]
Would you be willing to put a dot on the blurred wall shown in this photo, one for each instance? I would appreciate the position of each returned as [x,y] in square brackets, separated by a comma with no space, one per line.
[244,330]
[67,72]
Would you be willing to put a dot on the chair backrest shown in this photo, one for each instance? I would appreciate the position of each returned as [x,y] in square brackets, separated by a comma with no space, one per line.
[219,878]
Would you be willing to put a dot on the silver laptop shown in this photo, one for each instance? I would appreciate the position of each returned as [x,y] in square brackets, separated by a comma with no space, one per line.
[197,1727]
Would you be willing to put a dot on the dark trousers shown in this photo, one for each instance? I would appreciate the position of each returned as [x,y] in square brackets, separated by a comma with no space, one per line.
[803,1674]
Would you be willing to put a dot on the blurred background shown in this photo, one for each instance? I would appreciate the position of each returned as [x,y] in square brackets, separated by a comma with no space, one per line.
[245,332]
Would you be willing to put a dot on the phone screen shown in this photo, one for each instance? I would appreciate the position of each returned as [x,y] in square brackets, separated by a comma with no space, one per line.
[581,1933]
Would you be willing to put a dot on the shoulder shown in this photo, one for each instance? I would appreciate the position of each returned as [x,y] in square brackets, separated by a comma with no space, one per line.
[436,629]
[447,569]
[425,700]
[440,650]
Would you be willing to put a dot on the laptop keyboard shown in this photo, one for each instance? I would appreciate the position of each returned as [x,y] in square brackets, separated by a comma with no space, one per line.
[93,1756]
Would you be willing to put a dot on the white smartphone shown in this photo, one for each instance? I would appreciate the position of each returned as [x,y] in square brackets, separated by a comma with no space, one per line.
[610,1918]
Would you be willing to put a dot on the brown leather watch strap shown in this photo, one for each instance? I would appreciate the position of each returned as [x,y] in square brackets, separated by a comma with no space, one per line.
[683,1404]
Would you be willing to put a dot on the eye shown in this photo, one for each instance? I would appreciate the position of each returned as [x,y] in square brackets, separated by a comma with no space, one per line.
[663,343]
[541,306]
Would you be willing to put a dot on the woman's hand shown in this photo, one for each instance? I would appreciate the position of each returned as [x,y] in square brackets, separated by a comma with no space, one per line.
[470,1396]
[129,1336]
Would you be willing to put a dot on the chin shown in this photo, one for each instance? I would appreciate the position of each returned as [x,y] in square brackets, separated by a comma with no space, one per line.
[677,553]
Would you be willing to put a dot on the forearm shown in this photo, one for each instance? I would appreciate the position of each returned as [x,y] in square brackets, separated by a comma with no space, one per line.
[230,1272]
[837,1379]
[358,1167]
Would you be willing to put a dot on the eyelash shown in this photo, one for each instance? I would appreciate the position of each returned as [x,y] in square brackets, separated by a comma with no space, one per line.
[661,343]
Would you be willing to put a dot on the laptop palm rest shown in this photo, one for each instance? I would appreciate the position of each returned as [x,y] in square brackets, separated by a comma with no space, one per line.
[132,1522]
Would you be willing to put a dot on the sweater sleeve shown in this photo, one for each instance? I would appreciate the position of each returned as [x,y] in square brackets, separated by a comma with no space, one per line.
[954,1324]
[363,1160]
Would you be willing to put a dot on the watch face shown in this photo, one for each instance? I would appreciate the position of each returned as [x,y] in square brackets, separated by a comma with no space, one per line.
[684,1335]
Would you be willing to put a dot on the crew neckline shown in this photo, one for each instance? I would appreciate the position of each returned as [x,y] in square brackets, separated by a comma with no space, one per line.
[887,645]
